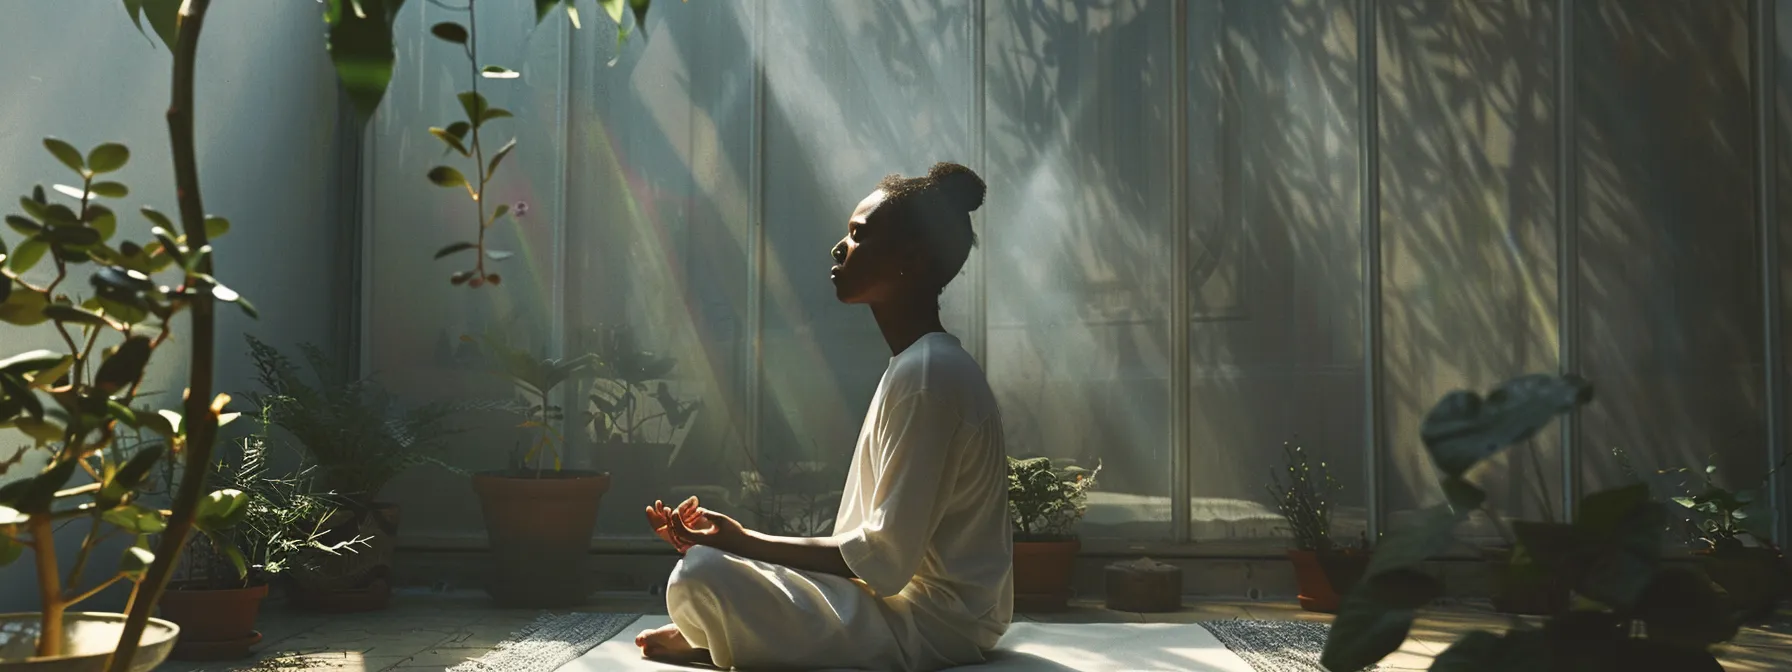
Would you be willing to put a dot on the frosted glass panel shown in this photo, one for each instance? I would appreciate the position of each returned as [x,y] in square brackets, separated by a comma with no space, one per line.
[1670,267]
[854,91]
[1468,233]
[1078,105]
[660,239]
[415,318]
[1274,265]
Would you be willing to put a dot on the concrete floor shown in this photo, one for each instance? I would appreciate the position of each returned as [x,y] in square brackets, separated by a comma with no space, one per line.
[433,631]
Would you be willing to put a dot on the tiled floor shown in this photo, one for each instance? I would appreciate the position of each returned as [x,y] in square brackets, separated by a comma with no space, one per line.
[435,631]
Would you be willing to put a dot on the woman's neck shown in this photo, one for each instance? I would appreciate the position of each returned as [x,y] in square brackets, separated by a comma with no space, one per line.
[904,322]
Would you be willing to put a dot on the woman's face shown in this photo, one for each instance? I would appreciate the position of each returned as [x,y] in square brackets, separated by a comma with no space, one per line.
[874,263]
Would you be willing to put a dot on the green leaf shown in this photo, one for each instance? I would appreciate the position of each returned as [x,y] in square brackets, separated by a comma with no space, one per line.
[124,366]
[37,492]
[216,227]
[132,473]
[12,516]
[459,129]
[102,220]
[23,225]
[640,9]
[24,309]
[108,157]
[164,17]
[135,8]
[542,7]
[455,247]
[236,560]
[449,31]
[499,72]
[136,519]
[67,154]
[31,362]
[444,176]
[473,105]
[503,208]
[26,255]
[109,190]
[452,140]
[1463,428]
[493,113]
[613,8]
[71,236]
[221,510]
[499,255]
[57,214]
[62,312]
[135,561]
[10,549]
[156,217]
[360,45]
[492,166]
[1403,588]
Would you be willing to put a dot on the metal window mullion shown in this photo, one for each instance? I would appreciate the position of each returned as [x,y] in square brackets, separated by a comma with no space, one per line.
[756,254]
[980,219]
[1765,50]
[1568,245]
[1369,182]
[1180,514]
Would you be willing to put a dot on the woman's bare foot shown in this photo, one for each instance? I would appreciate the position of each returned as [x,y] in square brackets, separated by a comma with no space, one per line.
[667,645]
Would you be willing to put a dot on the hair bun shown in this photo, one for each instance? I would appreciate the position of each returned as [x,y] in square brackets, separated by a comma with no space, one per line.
[959,185]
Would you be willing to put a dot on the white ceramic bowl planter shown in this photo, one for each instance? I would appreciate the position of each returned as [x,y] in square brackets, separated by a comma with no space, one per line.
[91,637]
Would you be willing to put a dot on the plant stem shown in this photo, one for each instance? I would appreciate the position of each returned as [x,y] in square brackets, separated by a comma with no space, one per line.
[49,586]
[201,422]
[479,154]
[96,589]
[93,535]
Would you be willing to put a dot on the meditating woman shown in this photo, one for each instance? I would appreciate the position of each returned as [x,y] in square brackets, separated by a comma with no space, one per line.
[917,575]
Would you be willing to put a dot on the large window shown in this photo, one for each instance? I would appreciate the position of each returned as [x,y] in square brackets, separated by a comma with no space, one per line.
[1213,227]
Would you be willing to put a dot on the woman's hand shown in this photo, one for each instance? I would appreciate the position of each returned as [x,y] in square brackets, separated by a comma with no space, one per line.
[688,512]
[710,529]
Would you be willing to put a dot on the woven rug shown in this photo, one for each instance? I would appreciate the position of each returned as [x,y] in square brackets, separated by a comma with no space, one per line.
[551,641]
[1275,646]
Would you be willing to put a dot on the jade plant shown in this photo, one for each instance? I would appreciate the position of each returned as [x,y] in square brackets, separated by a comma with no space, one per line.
[81,404]
[1609,553]
[1046,501]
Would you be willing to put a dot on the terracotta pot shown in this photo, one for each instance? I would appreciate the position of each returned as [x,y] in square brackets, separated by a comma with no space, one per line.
[540,534]
[1754,580]
[1324,579]
[358,581]
[1042,573]
[214,624]
[1523,593]
[89,638]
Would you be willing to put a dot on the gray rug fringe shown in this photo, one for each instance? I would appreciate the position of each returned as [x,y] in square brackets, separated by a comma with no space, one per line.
[1275,646]
[551,641]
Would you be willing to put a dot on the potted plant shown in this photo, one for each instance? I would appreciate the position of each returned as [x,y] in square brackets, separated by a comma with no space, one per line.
[357,438]
[1322,569]
[1045,502]
[277,525]
[635,418]
[70,277]
[1735,553]
[538,515]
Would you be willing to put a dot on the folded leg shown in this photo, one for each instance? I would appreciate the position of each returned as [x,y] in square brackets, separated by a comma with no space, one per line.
[752,615]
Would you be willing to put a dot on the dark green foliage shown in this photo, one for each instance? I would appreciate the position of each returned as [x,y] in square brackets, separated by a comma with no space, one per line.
[1609,554]
[628,376]
[353,430]
[1045,502]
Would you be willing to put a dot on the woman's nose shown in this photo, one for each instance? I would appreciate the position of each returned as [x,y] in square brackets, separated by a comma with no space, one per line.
[840,253]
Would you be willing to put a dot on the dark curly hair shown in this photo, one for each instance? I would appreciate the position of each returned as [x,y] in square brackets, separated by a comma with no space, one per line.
[937,208]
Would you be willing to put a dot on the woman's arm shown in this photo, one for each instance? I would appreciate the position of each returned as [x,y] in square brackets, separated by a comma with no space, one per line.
[708,528]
